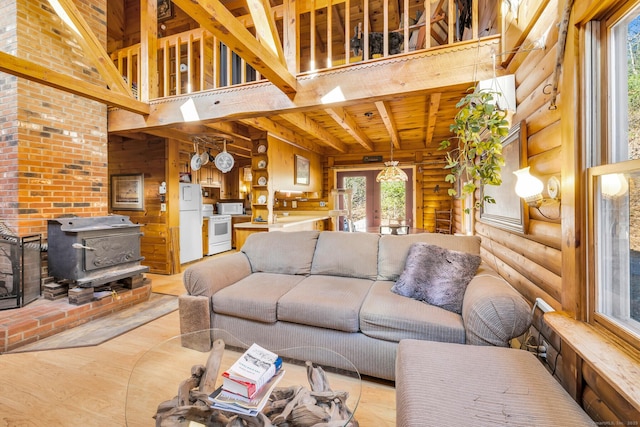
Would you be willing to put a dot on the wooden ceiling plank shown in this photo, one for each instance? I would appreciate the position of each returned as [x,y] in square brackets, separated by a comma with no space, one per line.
[215,18]
[301,121]
[432,111]
[265,26]
[389,123]
[28,70]
[280,132]
[93,49]
[347,122]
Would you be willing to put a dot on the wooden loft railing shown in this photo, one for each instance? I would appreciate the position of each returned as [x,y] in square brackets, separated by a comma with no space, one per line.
[181,67]
[195,60]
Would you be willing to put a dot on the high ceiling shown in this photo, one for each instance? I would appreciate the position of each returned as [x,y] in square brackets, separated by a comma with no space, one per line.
[410,107]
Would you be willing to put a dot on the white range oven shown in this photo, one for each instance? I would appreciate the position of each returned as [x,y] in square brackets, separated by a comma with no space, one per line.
[218,231]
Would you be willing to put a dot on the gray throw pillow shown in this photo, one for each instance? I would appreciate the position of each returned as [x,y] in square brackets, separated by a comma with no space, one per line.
[437,276]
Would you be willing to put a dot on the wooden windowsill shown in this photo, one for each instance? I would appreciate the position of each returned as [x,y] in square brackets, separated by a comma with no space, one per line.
[618,365]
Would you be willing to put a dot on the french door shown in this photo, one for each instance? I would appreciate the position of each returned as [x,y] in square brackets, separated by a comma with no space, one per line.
[376,203]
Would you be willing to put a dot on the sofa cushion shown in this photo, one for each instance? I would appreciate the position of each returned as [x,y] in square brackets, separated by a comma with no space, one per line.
[390,317]
[437,276]
[393,250]
[281,252]
[255,297]
[331,302]
[346,254]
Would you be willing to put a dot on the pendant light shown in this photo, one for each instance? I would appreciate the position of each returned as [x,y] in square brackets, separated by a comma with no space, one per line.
[391,171]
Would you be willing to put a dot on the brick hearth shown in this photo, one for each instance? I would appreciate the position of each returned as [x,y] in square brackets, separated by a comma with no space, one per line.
[43,318]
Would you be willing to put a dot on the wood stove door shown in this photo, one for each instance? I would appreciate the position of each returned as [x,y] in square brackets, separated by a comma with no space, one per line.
[108,251]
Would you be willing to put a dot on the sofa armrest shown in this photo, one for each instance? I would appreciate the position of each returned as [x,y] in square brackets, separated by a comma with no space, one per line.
[208,277]
[492,311]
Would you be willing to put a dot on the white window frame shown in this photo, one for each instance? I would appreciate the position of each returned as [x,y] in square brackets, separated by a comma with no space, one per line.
[605,92]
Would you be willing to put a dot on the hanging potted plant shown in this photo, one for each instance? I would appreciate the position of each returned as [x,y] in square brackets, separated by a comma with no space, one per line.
[474,157]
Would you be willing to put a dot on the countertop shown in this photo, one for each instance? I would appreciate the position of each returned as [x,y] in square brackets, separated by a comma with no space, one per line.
[283,221]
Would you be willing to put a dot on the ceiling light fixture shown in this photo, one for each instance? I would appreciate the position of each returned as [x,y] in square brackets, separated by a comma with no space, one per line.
[391,171]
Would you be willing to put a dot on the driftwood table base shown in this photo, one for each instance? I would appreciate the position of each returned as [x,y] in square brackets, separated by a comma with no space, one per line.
[295,406]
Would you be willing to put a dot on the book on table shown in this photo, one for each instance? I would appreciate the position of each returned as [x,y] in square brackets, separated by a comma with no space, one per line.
[251,371]
[225,400]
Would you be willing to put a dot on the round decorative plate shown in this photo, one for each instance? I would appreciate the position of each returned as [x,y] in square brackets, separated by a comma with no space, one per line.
[262,199]
[224,161]
[262,164]
[262,149]
[262,181]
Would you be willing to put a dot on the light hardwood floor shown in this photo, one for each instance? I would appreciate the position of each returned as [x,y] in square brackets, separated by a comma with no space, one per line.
[87,386]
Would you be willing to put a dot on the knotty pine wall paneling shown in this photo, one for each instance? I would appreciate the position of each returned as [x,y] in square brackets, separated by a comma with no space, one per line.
[150,158]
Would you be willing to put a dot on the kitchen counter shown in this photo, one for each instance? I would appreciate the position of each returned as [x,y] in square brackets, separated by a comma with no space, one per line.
[284,223]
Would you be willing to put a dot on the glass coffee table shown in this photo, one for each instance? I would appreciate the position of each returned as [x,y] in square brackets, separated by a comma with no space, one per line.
[158,373]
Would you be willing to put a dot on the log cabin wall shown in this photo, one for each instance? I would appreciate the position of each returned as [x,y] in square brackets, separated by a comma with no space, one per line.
[546,261]
[54,144]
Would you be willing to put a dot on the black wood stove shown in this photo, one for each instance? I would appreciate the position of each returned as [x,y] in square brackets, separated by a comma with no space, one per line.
[93,251]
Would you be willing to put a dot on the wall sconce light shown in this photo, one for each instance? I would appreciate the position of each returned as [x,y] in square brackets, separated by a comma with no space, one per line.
[530,189]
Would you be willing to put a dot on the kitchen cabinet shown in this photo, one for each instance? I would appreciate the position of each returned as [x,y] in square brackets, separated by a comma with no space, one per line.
[237,219]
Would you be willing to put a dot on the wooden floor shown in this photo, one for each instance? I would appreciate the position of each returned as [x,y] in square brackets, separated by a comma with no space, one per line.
[87,386]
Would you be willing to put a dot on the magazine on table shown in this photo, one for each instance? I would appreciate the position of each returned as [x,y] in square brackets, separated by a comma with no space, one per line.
[225,400]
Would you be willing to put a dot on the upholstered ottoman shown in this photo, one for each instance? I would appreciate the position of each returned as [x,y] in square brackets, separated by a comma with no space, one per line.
[445,384]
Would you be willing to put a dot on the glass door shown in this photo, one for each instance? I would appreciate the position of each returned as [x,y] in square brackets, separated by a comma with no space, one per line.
[376,203]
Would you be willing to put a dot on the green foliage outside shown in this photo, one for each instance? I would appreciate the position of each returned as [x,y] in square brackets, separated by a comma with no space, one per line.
[393,200]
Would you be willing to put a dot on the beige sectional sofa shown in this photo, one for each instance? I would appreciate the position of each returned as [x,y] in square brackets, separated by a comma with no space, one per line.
[333,289]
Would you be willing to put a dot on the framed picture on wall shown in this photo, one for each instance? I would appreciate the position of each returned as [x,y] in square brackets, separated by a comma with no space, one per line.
[127,192]
[302,170]
[165,10]
[508,212]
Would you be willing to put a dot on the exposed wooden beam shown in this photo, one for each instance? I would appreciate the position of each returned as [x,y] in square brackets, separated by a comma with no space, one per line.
[148,50]
[423,72]
[308,125]
[223,129]
[242,149]
[432,111]
[389,123]
[265,26]
[28,70]
[283,133]
[347,122]
[215,18]
[93,49]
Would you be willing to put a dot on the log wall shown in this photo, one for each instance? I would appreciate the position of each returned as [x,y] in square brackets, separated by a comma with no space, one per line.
[545,261]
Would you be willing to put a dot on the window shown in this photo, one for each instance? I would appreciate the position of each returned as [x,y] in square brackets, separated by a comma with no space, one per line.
[613,160]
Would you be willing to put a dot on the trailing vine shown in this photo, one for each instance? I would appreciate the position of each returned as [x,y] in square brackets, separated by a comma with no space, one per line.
[476,159]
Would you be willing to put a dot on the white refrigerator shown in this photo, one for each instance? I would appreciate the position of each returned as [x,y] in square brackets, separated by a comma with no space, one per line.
[190,222]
